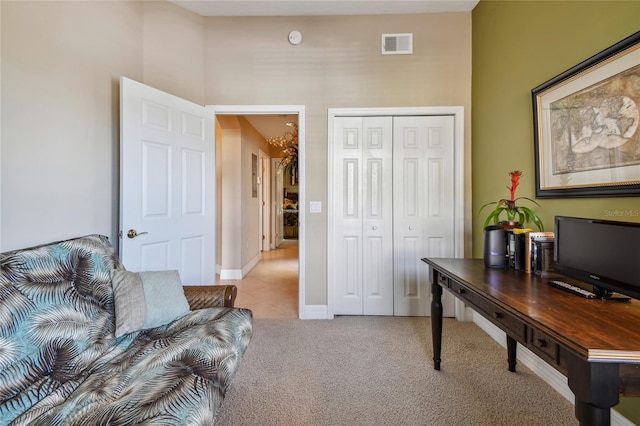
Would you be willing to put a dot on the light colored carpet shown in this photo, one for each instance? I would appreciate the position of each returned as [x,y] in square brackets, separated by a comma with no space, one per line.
[378,371]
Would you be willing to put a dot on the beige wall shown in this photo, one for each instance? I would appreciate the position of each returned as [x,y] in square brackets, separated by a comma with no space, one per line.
[173,58]
[252,142]
[230,201]
[61,62]
[238,219]
[61,65]
[337,65]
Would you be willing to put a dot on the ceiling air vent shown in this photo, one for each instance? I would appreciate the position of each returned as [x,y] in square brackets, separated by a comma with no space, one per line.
[397,44]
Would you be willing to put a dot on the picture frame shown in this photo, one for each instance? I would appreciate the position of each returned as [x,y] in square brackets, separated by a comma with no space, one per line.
[587,127]
[254,176]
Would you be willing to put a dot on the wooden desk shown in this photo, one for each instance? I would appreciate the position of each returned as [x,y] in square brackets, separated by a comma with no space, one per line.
[595,343]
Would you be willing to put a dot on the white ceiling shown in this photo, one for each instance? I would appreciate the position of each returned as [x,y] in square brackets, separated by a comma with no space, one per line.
[322,7]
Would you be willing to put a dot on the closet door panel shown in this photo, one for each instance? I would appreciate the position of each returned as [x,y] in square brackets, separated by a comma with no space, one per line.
[439,223]
[347,236]
[377,223]
[423,206]
[393,195]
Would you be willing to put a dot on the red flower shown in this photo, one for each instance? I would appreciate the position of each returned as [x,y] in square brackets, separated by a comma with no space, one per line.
[515,178]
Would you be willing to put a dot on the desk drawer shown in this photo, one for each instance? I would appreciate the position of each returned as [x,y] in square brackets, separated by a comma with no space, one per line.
[459,290]
[511,324]
[443,280]
[501,318]
[544,346]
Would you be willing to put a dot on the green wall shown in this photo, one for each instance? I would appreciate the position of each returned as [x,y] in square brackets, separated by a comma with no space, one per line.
[518,45]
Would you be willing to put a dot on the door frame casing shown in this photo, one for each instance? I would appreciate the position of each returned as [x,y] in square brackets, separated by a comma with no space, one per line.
[299,110]
[264,186]
[458,113]
[277,201]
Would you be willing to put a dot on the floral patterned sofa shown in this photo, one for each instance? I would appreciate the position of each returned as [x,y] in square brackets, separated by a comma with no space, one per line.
[62,364]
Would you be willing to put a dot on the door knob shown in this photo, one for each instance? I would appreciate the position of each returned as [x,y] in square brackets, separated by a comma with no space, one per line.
[133,233]
[411,228]
[374,227]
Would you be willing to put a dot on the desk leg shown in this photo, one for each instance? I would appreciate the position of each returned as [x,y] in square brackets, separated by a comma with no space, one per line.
[512,346]
[595,386]
[436,323]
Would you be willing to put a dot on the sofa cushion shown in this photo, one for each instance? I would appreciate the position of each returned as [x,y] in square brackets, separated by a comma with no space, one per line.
[128,301]
[147,299]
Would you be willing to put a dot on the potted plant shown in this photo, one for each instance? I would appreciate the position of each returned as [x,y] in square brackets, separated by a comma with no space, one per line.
[516,215]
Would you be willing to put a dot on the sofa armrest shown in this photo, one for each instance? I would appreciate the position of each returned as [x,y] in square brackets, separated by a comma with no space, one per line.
[209,296]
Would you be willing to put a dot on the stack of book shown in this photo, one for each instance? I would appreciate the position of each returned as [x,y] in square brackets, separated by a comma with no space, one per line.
[534,251]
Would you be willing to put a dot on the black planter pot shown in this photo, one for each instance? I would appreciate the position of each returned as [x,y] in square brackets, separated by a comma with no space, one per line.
[495,247]
[500,244]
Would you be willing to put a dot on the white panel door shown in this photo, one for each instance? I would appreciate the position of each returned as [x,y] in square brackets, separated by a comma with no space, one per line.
[377,215]
[363,233]
[423,192]
[167,184]
[347,235]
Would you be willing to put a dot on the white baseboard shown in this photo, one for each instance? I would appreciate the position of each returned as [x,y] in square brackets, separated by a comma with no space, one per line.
[230,274]
[311,312]
[249,266]
[238,274]
[547,373]
[618,419]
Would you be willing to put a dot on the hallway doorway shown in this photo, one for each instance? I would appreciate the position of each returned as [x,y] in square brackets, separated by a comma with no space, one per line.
[273,285]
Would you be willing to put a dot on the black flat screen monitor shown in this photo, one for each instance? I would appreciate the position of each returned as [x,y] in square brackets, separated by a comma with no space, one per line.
[603,253]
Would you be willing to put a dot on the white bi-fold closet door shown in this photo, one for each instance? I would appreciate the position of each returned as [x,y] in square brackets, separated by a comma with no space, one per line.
[393,204]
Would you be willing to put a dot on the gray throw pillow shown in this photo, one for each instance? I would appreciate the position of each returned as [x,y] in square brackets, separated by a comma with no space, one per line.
[147,299]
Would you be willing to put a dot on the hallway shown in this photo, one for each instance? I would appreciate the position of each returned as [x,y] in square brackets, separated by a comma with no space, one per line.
[270,289]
